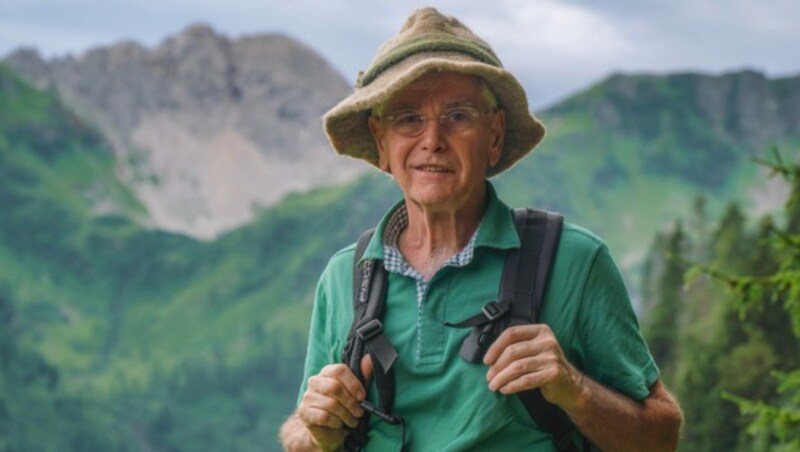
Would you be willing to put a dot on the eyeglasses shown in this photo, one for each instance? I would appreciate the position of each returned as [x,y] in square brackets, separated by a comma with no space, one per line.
[411,123]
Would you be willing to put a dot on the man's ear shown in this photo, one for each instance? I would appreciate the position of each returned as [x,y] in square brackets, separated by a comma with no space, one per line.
[498,135]
[377,134]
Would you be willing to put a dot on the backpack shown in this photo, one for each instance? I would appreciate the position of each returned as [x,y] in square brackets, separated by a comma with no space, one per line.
[522,285]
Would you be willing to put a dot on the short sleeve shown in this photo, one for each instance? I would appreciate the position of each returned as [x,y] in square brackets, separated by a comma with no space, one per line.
[318,353]
[615,353]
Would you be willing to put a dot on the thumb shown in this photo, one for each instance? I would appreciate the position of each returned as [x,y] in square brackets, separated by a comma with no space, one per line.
[366,368]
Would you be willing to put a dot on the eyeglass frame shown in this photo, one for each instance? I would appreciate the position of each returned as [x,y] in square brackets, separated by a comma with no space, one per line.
[471,111]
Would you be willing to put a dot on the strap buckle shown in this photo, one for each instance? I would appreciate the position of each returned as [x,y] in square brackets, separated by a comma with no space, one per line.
[369,330]
[493,310]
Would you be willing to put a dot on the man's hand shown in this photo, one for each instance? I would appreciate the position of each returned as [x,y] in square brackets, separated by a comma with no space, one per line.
[331,403]
[527,357]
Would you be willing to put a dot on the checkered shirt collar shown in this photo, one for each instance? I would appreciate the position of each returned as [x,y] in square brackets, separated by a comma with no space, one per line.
[394,261]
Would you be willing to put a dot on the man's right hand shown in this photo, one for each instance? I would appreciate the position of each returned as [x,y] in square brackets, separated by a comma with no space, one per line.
[331,403]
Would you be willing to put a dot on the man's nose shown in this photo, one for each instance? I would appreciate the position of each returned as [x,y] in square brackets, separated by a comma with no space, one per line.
[433,135]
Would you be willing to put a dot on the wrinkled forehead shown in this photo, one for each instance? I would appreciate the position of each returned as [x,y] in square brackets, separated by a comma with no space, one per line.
[438,87]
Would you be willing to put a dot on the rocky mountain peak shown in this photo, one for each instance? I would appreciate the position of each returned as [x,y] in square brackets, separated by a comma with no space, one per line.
[196,32]
[205,126]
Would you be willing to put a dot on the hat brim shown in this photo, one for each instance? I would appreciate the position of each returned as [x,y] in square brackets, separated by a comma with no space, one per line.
[349,134]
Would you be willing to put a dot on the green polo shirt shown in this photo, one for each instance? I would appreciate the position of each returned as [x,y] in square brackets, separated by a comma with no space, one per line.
[444,400]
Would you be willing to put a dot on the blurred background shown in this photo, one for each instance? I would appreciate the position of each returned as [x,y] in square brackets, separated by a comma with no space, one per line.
[168,199]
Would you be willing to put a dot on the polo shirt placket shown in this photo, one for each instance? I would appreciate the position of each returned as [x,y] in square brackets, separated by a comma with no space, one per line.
[430,330]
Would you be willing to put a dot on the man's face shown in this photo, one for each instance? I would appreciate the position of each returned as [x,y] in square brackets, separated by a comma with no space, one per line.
[443,165]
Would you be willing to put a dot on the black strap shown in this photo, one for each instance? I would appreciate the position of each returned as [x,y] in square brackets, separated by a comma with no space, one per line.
[526,269]
[523,282]
[366,336]
[485,325]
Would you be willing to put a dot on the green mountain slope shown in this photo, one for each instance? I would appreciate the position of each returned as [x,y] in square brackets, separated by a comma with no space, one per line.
[630,154]
[118,337]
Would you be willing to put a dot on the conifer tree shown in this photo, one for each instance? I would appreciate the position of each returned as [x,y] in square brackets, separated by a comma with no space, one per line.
[762,330]
[662,326]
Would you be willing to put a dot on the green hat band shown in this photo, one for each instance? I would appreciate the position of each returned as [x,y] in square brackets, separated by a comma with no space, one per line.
[428,43]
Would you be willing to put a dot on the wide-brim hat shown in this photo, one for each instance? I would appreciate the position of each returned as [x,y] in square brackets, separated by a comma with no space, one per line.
[431,42]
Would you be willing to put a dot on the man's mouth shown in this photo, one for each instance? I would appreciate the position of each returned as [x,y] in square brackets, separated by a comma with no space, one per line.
[432,169]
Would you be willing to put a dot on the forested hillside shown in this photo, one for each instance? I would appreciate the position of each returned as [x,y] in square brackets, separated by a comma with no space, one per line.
[731,333]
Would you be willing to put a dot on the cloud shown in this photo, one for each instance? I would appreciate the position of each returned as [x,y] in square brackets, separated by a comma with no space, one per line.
[551,28]
[555,47]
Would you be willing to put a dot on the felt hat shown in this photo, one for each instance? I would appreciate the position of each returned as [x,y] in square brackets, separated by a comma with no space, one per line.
[431,42]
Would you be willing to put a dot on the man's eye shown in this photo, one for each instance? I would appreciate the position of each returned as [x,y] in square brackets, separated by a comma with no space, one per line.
[458,115]
[408,118]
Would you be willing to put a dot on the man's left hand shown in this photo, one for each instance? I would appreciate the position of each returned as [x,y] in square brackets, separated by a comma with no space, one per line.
[528,357]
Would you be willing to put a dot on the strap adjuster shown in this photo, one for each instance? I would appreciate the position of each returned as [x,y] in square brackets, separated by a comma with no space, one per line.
[369,330]
[492,310]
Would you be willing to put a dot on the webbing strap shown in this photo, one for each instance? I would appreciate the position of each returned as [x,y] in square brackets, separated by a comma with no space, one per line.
[519,272]
[354,349]
[550,418]
[370,333]
[523,282]
[366,336]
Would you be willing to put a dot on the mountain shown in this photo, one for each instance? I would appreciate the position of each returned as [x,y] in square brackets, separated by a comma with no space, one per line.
[113,335]
[206,129]
[631,153]
[117,336]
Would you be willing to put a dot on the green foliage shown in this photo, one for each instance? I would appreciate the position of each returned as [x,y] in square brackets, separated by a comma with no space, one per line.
[776,425]
[740,333]
[31,396]
[663,319]
[778,419]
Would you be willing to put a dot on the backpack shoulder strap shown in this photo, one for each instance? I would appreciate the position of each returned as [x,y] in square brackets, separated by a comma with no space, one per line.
[360,292]
[524,281]
[366,337]
[526,270]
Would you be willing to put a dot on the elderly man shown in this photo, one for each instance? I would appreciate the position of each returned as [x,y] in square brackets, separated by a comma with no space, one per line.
[437,112]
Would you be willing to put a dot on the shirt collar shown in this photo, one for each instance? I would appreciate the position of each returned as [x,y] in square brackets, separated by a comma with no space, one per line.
[395,262]
[495,231]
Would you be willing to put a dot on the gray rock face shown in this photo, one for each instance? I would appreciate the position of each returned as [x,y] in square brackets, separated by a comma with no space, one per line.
[205,127]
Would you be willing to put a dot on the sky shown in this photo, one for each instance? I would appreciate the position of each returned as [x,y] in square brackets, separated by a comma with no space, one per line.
[555,48]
